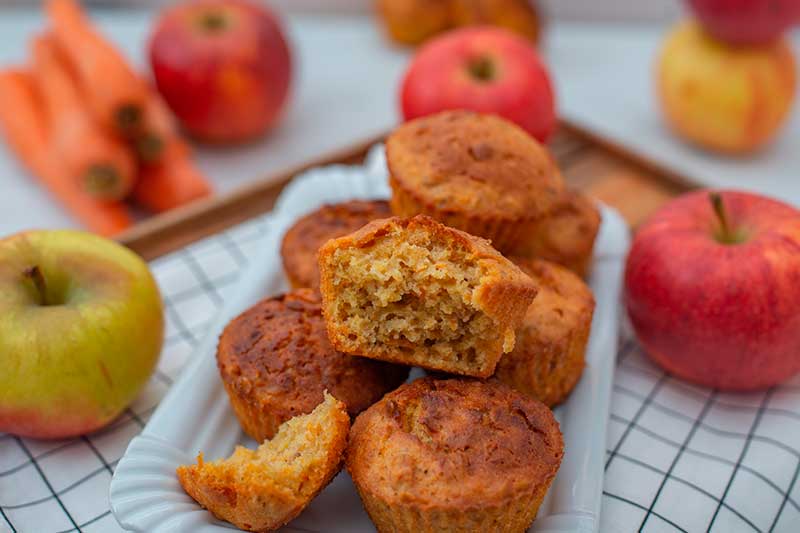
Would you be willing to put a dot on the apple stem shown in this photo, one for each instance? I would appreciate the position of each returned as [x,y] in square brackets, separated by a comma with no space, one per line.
[34,274]
[213,21]
[481,68]
[726,235]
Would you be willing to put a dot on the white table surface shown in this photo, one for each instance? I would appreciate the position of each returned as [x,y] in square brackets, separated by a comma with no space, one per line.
[605,81]
[346,77]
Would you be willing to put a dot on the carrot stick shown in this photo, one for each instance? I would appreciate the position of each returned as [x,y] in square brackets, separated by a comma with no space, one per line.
[116,94]
[101,164]
[26,132]
[171,182]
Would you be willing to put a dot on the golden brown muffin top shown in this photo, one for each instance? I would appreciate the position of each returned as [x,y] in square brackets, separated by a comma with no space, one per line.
[454,443]
[460,161]
[277,353]
[303,239]
[567,235]
[563,301]
[575,222]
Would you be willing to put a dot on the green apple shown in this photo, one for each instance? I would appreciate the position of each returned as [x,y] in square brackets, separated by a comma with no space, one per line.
[81,329]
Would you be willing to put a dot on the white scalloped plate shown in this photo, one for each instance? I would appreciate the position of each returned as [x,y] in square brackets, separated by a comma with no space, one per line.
[195,415]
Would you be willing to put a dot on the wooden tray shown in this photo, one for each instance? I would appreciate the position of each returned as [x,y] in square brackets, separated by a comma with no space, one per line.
[603,170]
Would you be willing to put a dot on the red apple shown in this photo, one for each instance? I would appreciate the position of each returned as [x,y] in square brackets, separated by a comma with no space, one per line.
[223,66]
[483,69]
[747,21]
[713,289]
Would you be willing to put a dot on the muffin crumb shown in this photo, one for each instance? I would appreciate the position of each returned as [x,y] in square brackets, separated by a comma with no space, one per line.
[263,489]
[417,292]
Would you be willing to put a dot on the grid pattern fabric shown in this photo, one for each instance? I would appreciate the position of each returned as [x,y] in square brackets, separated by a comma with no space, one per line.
[686,458]
[679,457]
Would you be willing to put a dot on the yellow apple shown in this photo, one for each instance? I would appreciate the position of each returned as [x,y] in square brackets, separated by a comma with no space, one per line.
[729,98]
[81,328]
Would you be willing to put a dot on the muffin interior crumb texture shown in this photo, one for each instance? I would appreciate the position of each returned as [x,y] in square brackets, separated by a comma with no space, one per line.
[409,290]
[264,488]
[293,454]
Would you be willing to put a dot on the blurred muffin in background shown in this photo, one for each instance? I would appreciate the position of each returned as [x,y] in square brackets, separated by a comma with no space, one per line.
[519,16]
[414,21]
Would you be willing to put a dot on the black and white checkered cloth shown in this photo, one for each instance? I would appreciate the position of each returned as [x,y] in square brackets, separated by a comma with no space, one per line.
[680,458]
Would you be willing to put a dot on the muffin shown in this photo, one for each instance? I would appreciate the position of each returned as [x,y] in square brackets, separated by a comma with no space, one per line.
[275,362]
[454,456]
[416,292]
[263,489]
[567,236]
[301,242]
[518,16]
[478,173]
[413,21]
[548,356]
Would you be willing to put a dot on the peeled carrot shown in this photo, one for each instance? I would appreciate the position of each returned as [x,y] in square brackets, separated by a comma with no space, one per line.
[173,181]
[117,96]
[26,131]
[158,127]
[169,177]
[102,165]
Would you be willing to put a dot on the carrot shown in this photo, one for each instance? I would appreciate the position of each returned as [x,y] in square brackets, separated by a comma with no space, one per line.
[158,127]
[173,181]
[101,164]
[116,94]
[169,177]
[26,131]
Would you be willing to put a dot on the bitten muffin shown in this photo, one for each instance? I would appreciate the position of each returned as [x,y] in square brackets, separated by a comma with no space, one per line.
[275,362]
[454,456]
[549,353]
[302,241]
[416,292]
[263,489]
[478,173]
[566,236]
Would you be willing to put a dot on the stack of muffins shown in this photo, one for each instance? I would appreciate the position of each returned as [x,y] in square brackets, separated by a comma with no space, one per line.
[477,279]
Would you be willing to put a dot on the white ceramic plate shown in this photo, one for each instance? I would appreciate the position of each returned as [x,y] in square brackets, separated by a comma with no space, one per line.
[195,415]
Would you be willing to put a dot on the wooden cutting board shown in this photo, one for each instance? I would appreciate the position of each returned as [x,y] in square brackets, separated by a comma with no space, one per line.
[598,167]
